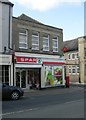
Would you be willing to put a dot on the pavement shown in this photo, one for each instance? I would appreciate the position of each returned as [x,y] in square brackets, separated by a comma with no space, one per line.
[78,84]
[71,84]
[28,90]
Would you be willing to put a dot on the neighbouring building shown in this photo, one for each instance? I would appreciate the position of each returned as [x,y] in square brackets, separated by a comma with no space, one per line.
[38,59]
[82,58]
[6,67]
[75,56]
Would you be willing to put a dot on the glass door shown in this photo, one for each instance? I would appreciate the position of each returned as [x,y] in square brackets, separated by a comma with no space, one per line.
[33,78]
[23,78]
[18,77]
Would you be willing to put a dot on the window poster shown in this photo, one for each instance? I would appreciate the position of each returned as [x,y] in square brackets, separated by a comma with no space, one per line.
[52,75]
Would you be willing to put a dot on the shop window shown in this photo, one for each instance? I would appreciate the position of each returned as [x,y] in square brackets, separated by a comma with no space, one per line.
[5,74]
[18,77]
[23,39]
[35,41]
[53,75]
[46,43]
[55,44]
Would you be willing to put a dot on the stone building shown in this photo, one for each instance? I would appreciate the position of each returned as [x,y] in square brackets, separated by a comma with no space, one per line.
[75,56]
[82,58]
[38,56]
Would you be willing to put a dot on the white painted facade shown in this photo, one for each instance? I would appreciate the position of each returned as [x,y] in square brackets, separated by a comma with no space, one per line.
[5,26]
[6,40]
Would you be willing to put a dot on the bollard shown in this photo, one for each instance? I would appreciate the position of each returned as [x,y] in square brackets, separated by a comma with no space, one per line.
[67,82]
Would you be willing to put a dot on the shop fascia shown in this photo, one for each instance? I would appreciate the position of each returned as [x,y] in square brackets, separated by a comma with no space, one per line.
[38,59]
[5,59]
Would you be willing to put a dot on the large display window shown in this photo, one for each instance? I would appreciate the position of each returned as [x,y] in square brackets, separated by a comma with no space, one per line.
[5,74]
[53,75]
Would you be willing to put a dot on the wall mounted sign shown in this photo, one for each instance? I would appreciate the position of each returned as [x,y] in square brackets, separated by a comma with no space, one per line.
[26,59]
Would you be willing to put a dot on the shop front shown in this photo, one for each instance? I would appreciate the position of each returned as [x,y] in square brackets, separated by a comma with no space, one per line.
[28,78]
[34,71]
[6,69]
[53,75]
[28,72]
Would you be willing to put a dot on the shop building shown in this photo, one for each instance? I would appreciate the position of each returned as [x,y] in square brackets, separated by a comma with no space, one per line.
[6,66]
[38,59]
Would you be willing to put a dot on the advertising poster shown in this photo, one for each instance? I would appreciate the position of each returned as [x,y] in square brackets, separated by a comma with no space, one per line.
[53,75]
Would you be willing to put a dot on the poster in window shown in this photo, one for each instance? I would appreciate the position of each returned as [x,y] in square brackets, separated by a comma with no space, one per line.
[52,75]
[58,74]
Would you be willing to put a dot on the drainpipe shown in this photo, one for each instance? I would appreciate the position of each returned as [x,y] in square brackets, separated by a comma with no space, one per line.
[9,42]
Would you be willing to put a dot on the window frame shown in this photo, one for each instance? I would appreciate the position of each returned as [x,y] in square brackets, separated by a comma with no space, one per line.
[5,74]
[35,36]
[56,40]
[24,42]
[69,58]
[72,56]
[70,69]
[77,55]
[46,37]
[73,67]
[77,67]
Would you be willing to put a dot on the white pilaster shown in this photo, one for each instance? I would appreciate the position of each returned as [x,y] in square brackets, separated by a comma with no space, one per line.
[63,76]
[11,74]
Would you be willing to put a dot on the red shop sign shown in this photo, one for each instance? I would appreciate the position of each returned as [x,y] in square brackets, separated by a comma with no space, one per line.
[25,59]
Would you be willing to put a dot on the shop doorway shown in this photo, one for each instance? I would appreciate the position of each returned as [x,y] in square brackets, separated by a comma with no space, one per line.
[33,78]
[21,78]
[28,78]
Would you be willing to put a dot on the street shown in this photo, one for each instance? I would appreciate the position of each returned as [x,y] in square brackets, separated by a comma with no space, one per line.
[47,103]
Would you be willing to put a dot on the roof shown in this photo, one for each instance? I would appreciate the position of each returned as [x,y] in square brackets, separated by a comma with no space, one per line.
[71,45]
[29,19]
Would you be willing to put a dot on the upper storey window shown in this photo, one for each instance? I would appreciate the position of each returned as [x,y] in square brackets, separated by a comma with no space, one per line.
[35,41]
[55,44]
[23,39]
[73,56]
[69,56]
[46,43]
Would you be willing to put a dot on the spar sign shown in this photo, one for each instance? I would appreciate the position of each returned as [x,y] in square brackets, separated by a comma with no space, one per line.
[25,59]
[28,60]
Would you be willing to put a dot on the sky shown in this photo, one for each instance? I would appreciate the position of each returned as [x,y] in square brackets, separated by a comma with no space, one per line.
[65,14]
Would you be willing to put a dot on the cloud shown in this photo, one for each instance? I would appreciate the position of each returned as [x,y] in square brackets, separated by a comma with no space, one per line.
[44,5]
